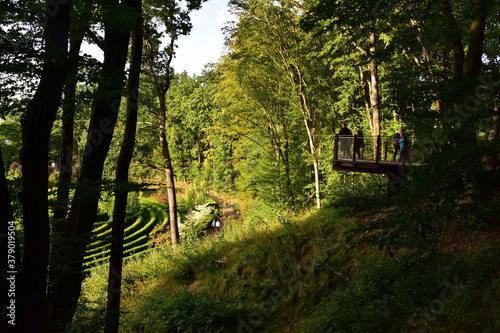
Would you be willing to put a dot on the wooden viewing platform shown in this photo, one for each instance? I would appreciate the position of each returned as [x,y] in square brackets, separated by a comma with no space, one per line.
[370,154]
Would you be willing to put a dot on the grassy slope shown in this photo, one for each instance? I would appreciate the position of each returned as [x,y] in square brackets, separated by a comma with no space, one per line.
[306,275]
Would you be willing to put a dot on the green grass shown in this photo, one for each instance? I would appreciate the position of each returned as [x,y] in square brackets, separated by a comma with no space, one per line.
[139,227]
[305,274]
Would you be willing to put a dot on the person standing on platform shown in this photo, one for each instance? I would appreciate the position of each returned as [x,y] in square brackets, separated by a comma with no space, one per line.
[360,144]
[403,146]
[344,138]
[395,144]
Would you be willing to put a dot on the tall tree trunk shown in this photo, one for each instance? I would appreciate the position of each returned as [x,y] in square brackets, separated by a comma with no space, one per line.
[122,175]
[456,40]
[374,93]
[466,69]
[169,171]
[286,164]
[365,82]
[312,148]
[473,62]
[67,136]
[67,282]
[37,125]
[65,151]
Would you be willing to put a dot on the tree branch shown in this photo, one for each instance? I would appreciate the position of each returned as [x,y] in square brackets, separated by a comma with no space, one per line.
[93,36]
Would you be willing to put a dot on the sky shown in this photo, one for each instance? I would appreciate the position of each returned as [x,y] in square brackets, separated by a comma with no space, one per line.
[205,43]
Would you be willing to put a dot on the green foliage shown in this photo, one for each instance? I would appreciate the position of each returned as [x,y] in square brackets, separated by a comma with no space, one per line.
[354,192]
[306,274]
[148,220]
[454,188]
[10,139]
[183,311]
[195,223]
[255,125]
[223,175]
[413,293]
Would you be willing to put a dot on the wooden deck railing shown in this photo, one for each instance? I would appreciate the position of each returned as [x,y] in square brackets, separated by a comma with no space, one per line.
[366,150]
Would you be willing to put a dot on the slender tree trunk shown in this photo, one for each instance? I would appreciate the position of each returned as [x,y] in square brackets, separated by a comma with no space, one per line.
[65,153]
[312,147]
[286,165]
[67,282]
[37,125]
[365,82]
[67,137]
[374,93]
[122,175]
[169,172]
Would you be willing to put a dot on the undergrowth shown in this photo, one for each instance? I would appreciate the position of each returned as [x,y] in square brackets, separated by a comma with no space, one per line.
[301,274]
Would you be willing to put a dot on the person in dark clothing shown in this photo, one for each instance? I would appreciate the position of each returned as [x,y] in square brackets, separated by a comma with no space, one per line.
[395,144]
[403,147]
[360,144]
[344,138]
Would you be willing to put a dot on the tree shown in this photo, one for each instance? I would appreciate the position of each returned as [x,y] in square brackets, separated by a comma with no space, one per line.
[21,49]
[122,178]
[190,104]
[176,21]
[67,132]
[269,32]
[255,104]
[37,124]
[70,252]
[359,23]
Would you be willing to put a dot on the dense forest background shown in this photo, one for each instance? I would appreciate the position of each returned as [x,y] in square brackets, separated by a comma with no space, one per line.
[113,169]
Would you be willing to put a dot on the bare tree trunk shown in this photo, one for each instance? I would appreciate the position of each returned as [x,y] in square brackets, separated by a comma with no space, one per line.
[374,93]
[169,172]
[456,40]
[37,125]
[122,175]
[286,165]
[67,136]
[366,85]
[473,62]
[312,148]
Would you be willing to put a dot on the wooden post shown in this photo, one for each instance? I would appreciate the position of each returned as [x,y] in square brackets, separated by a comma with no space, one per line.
[336,149]
[354,146]
[386,149]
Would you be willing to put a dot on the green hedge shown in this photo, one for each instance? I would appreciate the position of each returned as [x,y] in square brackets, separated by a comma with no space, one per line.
[137,233]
